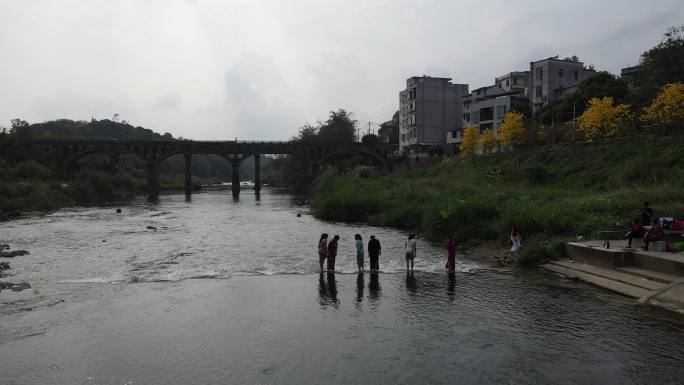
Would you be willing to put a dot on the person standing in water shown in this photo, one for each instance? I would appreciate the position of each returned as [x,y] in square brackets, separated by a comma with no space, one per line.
[359,252]
[410,251]
[374,251]
[332,252]
[451,254]
[516,240]
[322,249]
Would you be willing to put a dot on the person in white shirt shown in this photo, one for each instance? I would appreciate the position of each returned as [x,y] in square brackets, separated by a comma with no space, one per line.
[410,247]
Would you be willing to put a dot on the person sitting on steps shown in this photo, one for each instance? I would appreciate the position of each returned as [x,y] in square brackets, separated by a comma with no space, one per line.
[654,234]
[636,231]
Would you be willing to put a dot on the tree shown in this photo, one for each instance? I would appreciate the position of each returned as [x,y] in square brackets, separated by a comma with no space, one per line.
[488,141]
[435,150]
[597,85]
[512,129]
[307,133]
[662,64]
[471,137]
[666,111]
[340,127]
[602,119]
[370,139]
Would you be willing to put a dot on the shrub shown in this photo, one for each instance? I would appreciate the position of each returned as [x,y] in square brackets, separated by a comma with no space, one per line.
[535,253]
[31,170]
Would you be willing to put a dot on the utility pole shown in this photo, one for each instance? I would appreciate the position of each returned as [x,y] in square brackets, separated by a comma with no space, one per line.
[369,123]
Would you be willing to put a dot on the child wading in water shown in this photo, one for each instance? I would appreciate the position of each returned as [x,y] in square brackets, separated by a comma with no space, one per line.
[359,251]
[322,249]
[332,252]
[451,254]
[410,251]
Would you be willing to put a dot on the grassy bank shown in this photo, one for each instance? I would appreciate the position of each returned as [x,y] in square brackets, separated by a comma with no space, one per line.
[556,191]
[30,186]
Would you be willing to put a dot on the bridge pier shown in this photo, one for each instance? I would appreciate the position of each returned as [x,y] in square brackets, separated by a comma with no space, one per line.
[257,174]
[188,174]
[152,181]
[311,169]
[235,182]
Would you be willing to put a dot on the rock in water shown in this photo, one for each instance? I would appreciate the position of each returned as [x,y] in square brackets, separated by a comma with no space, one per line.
[4,266]
[12,254]
[15,286]
[151,228]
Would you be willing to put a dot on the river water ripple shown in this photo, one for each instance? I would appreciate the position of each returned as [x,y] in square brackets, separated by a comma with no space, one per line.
[229,292]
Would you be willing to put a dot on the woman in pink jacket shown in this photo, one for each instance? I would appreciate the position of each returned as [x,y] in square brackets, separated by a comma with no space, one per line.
[322,249]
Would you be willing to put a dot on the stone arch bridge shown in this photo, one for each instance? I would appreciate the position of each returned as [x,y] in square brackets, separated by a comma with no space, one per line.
[155,152]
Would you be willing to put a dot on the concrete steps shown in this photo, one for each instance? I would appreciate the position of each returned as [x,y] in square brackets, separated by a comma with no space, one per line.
[650,274]
[621,282]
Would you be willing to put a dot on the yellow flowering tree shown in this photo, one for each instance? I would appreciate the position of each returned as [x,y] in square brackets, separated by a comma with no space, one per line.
[470,140]
[512,131]
[602,119]
[488,141]
[667,109]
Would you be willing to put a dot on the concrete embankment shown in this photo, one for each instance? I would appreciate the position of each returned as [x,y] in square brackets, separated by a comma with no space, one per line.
[652,277]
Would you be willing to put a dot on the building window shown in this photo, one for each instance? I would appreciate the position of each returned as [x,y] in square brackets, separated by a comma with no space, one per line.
[540,74]
[560,72]
[500,111]
[538,91]
[403,137]
[507,82]
[575,75]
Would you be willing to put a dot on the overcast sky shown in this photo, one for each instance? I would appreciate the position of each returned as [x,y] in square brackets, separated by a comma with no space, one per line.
[259,69]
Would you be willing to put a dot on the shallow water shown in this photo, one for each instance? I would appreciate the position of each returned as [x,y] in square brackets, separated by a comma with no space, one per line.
[228,292]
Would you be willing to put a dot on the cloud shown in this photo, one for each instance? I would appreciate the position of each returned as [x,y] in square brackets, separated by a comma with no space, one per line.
[210,69]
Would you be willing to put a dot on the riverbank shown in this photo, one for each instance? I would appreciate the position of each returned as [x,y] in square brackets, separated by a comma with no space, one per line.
[553,192]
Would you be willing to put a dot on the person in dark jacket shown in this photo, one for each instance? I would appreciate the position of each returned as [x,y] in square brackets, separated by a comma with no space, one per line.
[646,215]
[374,251]
[332,252]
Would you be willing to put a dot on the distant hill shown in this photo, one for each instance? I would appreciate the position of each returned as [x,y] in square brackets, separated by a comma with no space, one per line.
[94,129]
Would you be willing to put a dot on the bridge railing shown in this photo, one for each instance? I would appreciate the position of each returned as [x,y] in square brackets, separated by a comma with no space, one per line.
[201,142]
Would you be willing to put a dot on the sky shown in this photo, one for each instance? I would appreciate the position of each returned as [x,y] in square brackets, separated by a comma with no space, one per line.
[260,69]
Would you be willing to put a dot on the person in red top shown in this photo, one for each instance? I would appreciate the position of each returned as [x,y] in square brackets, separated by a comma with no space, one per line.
[322,249]
[636,231]
[451,254]
[654,234]
[332,252]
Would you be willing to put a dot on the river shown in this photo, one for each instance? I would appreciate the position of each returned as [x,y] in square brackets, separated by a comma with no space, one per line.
[229,292]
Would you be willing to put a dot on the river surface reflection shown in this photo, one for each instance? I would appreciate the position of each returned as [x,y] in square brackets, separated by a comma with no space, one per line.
[230,292]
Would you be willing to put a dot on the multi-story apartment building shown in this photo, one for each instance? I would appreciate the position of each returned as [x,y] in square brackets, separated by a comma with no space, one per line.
[516,81]
[486,107]
[429,107]
[552,78]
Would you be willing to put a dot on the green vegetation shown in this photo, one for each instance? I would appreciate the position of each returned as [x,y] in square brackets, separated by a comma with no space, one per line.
[564,190]
[292,172]
[31,180]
